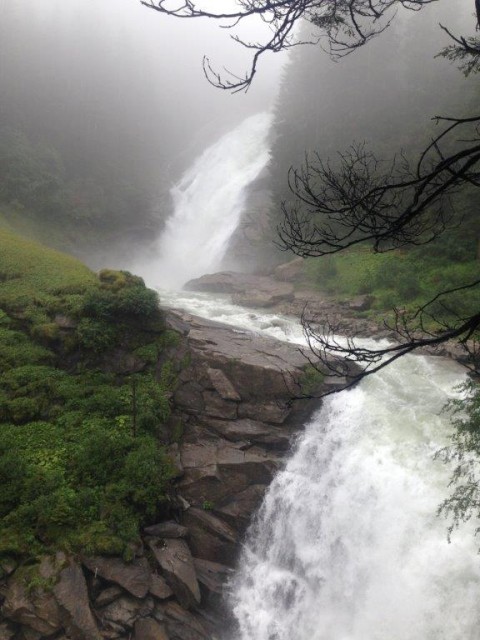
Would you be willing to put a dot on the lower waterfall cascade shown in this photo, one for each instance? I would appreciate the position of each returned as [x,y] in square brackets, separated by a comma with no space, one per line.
[347,544]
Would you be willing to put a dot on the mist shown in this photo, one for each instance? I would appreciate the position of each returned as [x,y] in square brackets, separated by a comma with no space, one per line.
[113,95]
[120,92]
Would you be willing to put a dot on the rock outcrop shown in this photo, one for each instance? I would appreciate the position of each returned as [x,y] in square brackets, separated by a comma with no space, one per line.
[247,289]
[236,402]
[234,415]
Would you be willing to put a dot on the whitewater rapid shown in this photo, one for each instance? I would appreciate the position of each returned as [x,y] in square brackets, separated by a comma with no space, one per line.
[208,203]
[347,544]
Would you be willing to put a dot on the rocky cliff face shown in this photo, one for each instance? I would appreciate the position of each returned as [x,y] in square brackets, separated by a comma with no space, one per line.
[233,421]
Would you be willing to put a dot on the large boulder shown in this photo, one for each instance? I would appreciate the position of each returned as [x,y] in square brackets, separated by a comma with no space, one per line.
[34,607]
[182,624]
[234,373]
[247,289]
[251,432]
[71,595]
[222,282]
[122,614]
[176,563]
[211,538]
[134,577]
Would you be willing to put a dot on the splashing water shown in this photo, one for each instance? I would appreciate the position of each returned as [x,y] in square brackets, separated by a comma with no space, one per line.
[347,544]
[208,203]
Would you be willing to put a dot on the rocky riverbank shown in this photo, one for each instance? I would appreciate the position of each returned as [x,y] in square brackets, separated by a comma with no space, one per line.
[282,292]
[232,423]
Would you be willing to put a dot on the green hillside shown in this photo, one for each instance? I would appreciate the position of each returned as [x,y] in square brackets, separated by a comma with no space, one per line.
[81,403]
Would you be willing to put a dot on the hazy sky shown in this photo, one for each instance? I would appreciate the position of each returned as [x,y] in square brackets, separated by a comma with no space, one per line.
[91,54]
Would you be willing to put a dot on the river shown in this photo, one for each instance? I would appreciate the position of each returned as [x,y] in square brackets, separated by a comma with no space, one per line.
[347,544]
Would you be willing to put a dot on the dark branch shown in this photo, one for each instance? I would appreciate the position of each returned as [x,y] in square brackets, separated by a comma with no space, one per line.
[336,355]
[356,202]
[344,24]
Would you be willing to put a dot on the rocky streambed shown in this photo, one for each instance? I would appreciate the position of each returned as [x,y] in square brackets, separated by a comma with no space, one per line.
[282,291]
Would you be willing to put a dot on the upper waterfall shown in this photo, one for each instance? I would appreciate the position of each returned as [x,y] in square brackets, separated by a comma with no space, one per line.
[208,203]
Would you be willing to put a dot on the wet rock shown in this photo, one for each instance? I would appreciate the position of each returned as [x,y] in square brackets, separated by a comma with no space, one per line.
[247,289]
[149,629]
[251,431]
[159,588]
[222,282]
[237,509]
[217,407]
[201,454]
[124,612]
[35,608]
[222,385]
[134,576]
[270,412]
[108,596]
[175,323]
[176,564]
[212,575]
[210,537]
[169,529]
[215,470]
[266,295]
[72,596]
[182,624]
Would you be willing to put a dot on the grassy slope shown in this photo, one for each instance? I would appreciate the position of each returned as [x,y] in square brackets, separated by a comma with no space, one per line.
[401,279]
[77,469]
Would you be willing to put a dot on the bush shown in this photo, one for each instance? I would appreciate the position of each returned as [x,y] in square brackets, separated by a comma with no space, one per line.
[96,335]
[74,472]
[127,297]
[463,455]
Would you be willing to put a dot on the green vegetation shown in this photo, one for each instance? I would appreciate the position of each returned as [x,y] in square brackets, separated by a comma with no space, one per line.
[463,454]
[311,380]
[402,279]
[61,201]
[81,402]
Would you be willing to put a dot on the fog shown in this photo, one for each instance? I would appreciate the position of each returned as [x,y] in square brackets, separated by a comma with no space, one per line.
[112,71]
[119,91]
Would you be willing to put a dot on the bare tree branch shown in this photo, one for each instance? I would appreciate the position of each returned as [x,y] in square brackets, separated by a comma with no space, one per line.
[344,24]
[356,201]
[328,351]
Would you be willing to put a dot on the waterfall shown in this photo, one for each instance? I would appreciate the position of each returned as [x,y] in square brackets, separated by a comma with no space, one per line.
[208,203]
[347,544]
